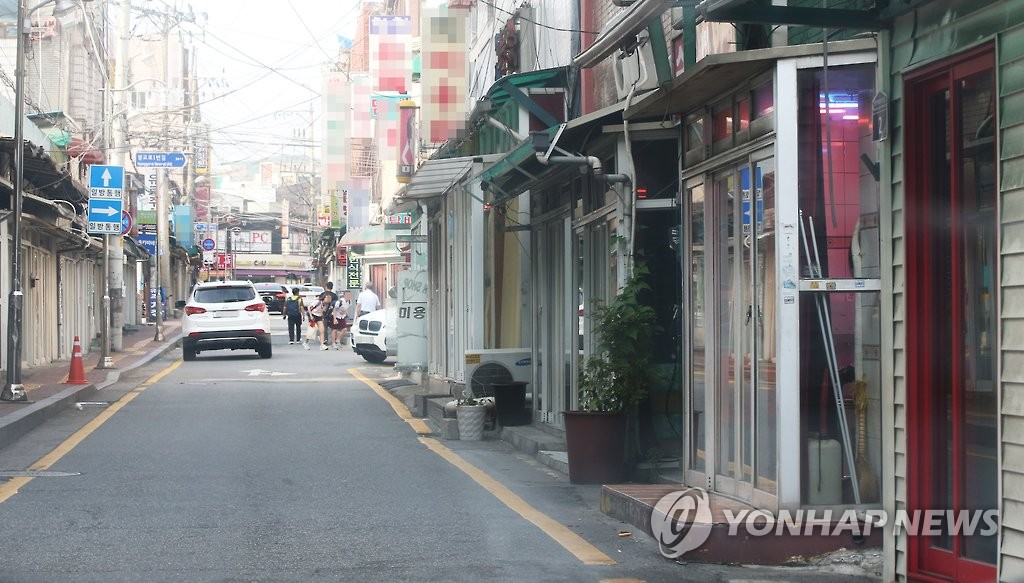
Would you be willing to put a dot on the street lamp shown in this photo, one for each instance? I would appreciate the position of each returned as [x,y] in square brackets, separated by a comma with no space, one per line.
[14,390]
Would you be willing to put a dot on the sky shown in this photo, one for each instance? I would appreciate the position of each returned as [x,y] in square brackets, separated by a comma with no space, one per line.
[259,63]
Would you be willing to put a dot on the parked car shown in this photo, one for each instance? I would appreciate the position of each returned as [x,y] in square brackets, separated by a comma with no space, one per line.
[273,295]
[222,315]
[373,336]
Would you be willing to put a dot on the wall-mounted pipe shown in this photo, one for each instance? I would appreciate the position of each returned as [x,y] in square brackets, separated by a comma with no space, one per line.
[505,128]
[593,161]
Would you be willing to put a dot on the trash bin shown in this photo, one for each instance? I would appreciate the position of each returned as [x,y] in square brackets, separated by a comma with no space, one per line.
[510,403]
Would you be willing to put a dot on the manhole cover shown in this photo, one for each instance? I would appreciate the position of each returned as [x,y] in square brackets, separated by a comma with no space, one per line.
[35,474]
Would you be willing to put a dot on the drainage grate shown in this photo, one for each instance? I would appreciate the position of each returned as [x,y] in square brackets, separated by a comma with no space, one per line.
[36,474]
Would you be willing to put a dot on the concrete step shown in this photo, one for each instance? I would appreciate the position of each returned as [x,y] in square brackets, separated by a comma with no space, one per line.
[634,504]
[530,439]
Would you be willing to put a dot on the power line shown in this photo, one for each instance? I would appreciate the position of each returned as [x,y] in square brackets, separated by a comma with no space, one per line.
[534,22]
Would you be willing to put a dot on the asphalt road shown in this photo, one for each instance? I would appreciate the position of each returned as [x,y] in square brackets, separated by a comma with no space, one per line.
[234,468]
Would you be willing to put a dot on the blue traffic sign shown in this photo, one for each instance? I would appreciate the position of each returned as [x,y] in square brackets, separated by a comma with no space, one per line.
[105,215]
[209,244]
[106,177]
[148,242]
[160,159]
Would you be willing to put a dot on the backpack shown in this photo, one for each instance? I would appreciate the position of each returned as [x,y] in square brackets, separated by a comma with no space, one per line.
[292,307]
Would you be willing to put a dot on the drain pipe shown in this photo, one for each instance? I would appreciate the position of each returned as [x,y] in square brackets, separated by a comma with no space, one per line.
[505,128]
[592,161]
[631,216]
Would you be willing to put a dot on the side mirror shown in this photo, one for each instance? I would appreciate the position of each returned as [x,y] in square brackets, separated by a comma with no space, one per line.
[180,304]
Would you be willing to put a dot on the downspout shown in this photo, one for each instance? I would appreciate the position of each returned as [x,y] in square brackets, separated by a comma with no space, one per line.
[592,161]
[504,128]
[631,214]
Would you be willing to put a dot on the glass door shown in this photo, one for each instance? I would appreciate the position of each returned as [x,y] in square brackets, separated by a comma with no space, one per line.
[737,342]
[698,336]
[952,265]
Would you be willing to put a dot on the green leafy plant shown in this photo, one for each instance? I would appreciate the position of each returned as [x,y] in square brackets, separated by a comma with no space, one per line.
[468,400]
[619,372]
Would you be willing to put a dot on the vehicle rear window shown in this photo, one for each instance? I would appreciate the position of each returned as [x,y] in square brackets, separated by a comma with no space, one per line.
[214,295]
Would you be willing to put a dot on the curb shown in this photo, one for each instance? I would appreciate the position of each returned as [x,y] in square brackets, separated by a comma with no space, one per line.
[16,425]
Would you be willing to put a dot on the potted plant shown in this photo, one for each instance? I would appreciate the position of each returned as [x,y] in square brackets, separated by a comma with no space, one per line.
[613,381]
[470,412]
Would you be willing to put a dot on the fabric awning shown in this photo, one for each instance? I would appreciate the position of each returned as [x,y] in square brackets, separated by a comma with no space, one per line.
[88,153]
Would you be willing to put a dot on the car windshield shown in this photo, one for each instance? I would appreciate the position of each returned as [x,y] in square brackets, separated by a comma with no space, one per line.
[212,295]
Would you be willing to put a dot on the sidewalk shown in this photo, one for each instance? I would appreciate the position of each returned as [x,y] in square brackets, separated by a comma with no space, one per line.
[48,394]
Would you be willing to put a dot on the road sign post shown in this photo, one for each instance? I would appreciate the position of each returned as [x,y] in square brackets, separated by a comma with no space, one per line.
[106,191]
[106,204]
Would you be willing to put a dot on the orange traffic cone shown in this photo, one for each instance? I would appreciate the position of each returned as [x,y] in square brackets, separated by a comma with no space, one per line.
[77,374]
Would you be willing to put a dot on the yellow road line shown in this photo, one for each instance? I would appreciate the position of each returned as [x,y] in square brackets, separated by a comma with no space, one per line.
[418,425]
[572,542]
[587,553]
[11,487]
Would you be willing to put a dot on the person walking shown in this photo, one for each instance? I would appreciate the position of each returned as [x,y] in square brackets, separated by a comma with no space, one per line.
[316,316]
[367,301]
[294,308]
[341,321]
[327,300]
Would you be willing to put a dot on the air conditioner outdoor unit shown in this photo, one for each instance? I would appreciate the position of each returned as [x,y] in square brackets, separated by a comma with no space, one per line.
[636,67]
[496,365]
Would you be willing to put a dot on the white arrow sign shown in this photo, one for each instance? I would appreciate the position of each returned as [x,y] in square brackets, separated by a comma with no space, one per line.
[255,372]
[109,211]
[106,177]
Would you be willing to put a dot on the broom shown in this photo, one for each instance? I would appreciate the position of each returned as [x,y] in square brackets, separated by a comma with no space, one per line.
[867,481]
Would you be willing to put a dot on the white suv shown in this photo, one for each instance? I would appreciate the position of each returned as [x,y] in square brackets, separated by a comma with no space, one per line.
[224,314]
[374,337]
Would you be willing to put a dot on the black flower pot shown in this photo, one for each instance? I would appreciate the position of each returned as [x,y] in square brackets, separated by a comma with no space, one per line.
[596,445]
[510,403]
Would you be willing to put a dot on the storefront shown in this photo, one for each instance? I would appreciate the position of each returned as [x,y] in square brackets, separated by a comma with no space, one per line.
[780,248]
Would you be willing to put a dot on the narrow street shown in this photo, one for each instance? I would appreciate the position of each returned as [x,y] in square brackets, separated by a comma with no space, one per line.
[233,468]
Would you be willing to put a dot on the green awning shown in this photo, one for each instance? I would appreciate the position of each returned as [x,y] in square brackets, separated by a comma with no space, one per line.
[505,88]
[520,170]
[370,235]
[511,87]
[514,172]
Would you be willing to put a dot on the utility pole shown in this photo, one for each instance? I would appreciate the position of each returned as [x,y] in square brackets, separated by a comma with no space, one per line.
[116,274]
[115,255]
[162,259]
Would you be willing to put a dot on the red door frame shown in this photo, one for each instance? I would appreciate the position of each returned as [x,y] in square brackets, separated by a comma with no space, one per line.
[926,563]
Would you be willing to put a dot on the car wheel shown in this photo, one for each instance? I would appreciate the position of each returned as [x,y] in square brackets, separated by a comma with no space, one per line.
[375,358]
[265,351]
[188,352]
